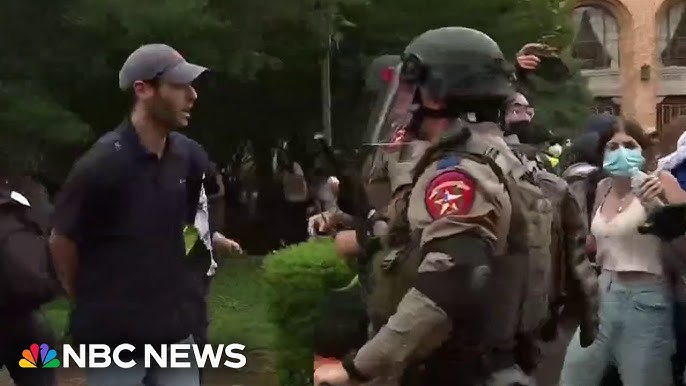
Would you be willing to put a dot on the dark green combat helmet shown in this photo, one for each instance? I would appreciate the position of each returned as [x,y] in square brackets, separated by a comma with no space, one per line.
[458,63]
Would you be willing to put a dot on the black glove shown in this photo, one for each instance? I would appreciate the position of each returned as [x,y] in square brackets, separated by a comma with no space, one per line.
[666,222]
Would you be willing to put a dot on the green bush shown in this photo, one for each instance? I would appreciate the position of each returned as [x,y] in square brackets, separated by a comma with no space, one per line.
[298,278]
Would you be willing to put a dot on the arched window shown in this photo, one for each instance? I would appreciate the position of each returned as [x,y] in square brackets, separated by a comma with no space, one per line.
[596,42]
[604,105]
[672,43]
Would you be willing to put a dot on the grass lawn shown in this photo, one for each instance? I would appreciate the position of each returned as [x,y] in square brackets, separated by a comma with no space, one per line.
[237,303]
[238,311]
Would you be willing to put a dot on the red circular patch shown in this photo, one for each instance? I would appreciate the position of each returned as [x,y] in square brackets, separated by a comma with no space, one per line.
[450,193]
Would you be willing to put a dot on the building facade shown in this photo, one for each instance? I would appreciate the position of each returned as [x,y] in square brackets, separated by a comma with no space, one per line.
[633,53]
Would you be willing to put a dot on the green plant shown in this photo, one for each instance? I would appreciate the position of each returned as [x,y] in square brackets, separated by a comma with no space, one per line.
[298,278]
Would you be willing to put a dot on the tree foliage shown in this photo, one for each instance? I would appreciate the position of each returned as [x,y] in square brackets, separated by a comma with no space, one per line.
[59,61]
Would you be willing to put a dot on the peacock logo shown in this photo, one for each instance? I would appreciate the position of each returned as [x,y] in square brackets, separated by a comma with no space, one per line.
[39,357]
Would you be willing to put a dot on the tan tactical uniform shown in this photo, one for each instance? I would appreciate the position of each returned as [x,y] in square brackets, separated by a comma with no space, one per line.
[572,276]
[513,217]
[572,272]
[391,170]
[388,187]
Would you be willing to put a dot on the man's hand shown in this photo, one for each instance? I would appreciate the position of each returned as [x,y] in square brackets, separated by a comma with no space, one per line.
[65,258]
[319,224]
[325,223]
[225,244]
[332,375]
[528,62]
[528,56]
[666,222]
[543,60]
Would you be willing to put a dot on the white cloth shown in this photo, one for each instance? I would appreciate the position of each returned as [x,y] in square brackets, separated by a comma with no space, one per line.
[294,184]
[670,161]
[202,224]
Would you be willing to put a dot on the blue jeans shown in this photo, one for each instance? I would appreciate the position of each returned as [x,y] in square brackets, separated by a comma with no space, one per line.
[635,333]
[115,376]
[679,360]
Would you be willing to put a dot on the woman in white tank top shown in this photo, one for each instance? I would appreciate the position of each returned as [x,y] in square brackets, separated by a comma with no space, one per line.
[635,331]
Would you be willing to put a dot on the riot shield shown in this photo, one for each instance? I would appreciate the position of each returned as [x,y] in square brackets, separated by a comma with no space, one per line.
[382,81]
[377,76]
[392,111]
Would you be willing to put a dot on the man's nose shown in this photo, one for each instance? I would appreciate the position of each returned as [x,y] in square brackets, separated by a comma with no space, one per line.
[192,94]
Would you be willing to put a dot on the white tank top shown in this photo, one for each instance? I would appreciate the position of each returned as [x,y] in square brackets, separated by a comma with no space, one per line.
[619,245]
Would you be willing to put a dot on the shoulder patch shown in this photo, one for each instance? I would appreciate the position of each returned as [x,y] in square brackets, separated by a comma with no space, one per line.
[450,193]
[448,161]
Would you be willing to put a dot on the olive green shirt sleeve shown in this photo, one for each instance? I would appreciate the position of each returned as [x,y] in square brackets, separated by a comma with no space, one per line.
[418,325]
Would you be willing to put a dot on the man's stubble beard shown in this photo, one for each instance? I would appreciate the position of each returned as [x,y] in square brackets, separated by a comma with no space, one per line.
[161,112]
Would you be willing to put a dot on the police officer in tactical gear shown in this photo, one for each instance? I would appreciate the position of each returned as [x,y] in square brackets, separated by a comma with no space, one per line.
[574,281]
[484,230]
[387,182]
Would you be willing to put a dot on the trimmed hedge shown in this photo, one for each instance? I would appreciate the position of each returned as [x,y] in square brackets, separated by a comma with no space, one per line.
[298,279]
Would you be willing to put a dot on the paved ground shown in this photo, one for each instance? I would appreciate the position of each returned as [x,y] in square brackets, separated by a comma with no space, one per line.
[548,372]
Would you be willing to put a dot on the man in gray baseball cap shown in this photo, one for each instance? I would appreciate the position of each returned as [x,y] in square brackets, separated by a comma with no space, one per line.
[150,177]
[161,82]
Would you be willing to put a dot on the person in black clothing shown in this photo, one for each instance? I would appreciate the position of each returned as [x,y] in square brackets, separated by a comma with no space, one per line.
[117,240]
[26,282]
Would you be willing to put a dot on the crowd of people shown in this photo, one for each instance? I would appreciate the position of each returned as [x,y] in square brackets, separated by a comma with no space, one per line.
[497,255]
[614,291]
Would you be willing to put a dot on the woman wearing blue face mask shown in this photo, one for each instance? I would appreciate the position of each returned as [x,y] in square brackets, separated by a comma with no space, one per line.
[635,331]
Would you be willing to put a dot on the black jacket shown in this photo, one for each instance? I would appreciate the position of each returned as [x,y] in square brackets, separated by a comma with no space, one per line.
[27,278]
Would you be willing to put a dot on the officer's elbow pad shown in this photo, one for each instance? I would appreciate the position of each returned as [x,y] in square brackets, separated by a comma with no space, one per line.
[455,272]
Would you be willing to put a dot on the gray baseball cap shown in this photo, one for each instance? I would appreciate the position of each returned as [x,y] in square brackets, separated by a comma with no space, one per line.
[157,61]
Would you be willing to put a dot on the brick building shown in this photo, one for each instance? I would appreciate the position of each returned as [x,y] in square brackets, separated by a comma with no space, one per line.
[634,57]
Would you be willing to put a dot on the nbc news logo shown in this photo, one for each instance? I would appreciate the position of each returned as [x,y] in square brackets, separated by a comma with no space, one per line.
[165,356]
[39,357]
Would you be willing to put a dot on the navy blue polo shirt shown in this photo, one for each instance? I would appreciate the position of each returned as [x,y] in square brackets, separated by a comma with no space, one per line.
[126,208]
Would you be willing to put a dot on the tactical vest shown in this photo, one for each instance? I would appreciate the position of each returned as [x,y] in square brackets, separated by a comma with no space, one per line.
[525,283]
[556,190]
[525,241]
[578,177]
[391,275]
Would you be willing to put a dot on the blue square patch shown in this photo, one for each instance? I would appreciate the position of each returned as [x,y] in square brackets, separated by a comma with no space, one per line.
[448,162]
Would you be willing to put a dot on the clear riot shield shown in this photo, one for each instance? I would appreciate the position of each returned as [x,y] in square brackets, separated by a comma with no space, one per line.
[391,115]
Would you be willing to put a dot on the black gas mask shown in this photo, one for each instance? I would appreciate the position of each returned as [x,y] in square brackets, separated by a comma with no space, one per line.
[459,107]
[522,129]
[527,132]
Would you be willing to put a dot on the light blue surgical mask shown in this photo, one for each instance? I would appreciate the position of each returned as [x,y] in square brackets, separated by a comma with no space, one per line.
[623,162]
